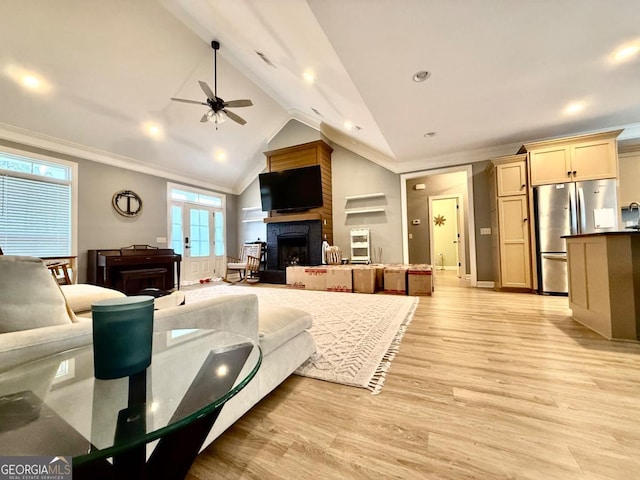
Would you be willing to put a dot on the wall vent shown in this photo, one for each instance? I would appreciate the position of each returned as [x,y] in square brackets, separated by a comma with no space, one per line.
[264,58]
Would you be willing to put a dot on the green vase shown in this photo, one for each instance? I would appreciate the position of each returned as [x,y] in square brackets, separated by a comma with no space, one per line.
[122,336]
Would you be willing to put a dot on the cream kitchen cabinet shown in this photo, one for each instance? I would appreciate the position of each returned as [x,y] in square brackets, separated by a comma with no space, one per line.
[602,293]
[511,178]
[587,157]
[510,223]
[515,256]
[629,163]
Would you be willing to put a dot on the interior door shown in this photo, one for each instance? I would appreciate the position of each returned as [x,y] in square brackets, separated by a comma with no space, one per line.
[460,239]
[197,233]
[445,236]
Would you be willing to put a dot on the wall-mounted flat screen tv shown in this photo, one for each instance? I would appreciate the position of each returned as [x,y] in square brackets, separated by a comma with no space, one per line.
[297,189]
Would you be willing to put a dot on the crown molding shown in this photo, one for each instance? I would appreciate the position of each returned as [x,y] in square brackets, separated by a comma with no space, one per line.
[350,143]
[33,139]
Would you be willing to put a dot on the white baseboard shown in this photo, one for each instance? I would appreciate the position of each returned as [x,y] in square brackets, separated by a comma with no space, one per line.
[485,284]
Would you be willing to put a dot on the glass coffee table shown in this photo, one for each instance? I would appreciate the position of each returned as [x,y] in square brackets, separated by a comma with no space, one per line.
[149,425]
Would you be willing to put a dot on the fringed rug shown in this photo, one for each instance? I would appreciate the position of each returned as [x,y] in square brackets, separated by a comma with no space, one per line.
[357,335]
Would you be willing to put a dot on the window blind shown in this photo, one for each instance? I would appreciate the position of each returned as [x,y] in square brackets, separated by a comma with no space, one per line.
[35,216]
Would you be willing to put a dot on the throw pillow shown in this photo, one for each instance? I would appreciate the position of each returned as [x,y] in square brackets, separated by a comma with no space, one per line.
[80,297]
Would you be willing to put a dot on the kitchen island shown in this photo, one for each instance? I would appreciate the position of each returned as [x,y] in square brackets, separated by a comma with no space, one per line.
[604,282]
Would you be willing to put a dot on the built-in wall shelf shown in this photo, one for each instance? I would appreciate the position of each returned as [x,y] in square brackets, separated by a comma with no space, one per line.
[253,215]
[353,211]
[366,195]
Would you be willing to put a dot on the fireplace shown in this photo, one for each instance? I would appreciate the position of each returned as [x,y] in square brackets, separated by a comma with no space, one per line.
[291,243]
[292,250]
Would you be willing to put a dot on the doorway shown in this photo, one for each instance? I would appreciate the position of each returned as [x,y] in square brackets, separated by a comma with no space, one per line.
[197,233]
[446,233]
[415,188]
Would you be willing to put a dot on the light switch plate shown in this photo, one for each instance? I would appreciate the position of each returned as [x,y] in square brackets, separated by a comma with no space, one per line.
[485,231]
[161,239]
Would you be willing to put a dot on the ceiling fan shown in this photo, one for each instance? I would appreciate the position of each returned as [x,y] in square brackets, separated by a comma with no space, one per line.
[218,112]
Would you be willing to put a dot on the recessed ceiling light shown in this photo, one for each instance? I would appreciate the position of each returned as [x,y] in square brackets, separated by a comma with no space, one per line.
[421,76]
[30,81]
[220,155]
[27,79]
[348,125]
[152,129]
[575,107]
[626,53]
[309,76]
[430,134]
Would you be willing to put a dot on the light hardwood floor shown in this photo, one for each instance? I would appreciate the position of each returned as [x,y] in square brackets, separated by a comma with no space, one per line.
[486,385]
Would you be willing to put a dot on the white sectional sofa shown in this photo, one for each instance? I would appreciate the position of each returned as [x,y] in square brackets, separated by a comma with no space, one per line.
[35,321]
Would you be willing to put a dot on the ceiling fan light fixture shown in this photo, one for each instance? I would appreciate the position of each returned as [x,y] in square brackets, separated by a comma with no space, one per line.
[421,76]
[219,117]
[217,113]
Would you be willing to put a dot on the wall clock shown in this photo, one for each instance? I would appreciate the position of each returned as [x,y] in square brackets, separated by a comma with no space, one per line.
[127,203]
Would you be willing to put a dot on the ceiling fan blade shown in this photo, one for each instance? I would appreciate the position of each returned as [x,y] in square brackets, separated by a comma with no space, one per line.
[205,117]
[234,117]
[187,101]
[238,103]
[207,91]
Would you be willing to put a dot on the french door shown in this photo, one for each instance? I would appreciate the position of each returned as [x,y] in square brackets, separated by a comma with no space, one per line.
[197,233]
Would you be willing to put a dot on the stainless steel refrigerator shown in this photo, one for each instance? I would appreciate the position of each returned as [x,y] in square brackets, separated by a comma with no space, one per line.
[569,209]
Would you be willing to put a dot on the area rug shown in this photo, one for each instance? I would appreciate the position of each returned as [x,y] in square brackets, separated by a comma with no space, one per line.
[357,335]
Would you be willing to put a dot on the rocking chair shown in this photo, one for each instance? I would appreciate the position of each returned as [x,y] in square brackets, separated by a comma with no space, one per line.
[247,265]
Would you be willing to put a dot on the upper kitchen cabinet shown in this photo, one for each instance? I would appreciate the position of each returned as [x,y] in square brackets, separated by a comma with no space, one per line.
[629,160]
[572,159]
[511,175]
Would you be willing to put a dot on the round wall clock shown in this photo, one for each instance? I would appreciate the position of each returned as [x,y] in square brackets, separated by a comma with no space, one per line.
[127,203]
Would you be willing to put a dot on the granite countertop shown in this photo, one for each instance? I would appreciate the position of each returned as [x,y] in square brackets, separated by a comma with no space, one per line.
[629,231]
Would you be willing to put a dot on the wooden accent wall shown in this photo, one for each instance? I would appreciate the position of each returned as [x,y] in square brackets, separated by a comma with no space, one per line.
[304,155]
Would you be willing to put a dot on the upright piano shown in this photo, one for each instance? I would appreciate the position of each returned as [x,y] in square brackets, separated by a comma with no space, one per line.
[131,270]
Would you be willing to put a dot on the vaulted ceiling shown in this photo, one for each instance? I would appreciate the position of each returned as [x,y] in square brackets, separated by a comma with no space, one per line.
[501,73]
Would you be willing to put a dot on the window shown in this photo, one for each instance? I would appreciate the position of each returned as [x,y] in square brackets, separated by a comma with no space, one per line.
[195,197]
[36,207]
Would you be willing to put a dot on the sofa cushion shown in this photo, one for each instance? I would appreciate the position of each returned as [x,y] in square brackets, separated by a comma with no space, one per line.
[174,299]
[81,296]
[29,295]
[280,324]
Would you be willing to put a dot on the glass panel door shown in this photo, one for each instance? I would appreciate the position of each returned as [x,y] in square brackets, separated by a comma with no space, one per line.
[197,233]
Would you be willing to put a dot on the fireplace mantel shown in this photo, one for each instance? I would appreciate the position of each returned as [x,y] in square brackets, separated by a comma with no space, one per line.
[301,217]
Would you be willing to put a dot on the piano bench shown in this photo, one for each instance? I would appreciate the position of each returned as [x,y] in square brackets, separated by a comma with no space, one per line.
[153,277]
